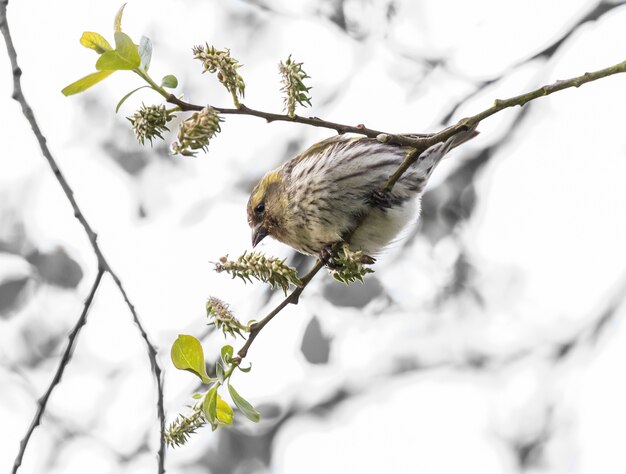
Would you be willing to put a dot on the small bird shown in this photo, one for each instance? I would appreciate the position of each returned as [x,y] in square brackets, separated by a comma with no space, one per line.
[331,192]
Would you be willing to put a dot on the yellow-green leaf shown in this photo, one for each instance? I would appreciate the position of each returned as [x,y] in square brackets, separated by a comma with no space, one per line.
[224,411]
[244,405]
[111,61]
[124,57]
[86,82]
[127,49]
[219,371]
[117,24]
[209,405]
[227,353]
[95,41]
[187,354]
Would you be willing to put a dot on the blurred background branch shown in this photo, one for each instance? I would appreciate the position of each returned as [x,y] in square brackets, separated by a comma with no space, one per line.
[65,360]
[103,265]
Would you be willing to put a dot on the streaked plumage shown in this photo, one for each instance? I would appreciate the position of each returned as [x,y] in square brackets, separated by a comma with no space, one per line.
[321,196]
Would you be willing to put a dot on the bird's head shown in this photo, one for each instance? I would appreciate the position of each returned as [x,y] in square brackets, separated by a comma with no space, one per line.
[266,207]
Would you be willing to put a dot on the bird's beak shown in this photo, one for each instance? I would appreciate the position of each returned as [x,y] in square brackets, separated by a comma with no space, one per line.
[258,234]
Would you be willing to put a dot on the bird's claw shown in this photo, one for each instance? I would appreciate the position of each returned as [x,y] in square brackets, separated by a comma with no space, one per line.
[328,256]
[379,200]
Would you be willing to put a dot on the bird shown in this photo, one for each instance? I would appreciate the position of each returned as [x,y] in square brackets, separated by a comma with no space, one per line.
[330,193]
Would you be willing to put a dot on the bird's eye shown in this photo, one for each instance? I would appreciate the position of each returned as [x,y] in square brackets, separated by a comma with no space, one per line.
[260,208]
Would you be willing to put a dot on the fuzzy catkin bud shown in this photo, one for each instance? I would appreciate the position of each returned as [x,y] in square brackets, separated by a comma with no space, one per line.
[196,132]
[294,90]
[214,60]
[222,317]
[266,269]
[180,429]
[349,266]
[150,122]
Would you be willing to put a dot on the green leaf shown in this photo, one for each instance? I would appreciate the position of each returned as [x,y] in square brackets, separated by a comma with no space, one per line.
[95,41]
[117,24]
[197,396]
[127,49]
[245,369]
[145,53]
[125,56]
[209,406]
[111,61]
[244,405]
[227,354]
[169,81]
[219,370]
[86,82]
[123,99]
[224,411]
[187,354]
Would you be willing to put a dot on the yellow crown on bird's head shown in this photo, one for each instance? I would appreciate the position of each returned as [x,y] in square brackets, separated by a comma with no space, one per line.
[265,206]
[261,190]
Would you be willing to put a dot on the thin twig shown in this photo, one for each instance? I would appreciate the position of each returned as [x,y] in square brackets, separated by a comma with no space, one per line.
[65,359]
[273,117]
[103,265]
[292,298]
[418,141]
[241,109]
[156,369]
[421,144]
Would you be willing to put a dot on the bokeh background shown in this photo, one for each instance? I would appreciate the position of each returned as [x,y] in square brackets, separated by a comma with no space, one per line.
[490,340]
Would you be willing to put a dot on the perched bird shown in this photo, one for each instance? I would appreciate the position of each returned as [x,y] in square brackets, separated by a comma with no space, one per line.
[330,192]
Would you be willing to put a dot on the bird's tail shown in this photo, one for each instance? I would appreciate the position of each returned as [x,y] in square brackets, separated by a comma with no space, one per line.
[430,158]
[463,137]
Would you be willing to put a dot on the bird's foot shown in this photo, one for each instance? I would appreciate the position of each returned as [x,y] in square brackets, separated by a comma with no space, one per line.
[328,256]
[379,200]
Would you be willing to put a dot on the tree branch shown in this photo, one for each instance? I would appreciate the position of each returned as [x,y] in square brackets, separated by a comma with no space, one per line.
[103,265]
[293,297]
[422,144]
[63,363]
[273,117]
[418,141]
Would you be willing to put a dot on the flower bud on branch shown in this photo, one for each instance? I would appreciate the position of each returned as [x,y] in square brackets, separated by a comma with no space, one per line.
[196,132]
[149,122]
[349,266]
[223,318]
[266,269]
[214,60]
[182,427]
[294,90]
